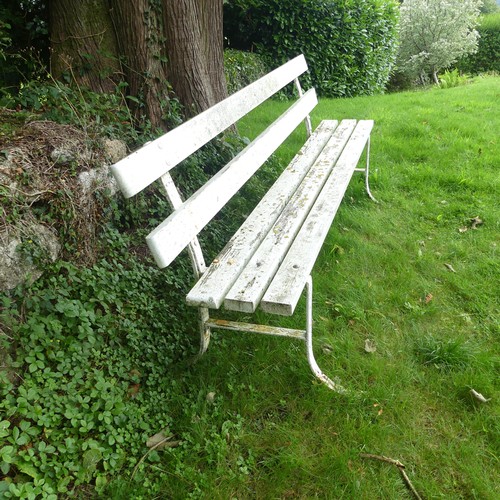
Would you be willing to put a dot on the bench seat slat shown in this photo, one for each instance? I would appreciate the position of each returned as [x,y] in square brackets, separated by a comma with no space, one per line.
[249,288]
[285,290]
[141,168]
[213,286]
[179,229]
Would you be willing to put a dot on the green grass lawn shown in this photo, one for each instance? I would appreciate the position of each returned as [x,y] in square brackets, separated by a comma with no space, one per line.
[412,275]
[417,275]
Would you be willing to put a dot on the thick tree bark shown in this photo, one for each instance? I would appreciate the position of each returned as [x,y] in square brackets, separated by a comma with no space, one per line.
[141,42]
[103,42]
[211,14]
[83,43]
[195,52]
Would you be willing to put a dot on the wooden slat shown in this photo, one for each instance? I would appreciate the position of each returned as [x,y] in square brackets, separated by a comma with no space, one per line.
[223,272]
[143,167]
[249,288]
[173,234]
[285,290]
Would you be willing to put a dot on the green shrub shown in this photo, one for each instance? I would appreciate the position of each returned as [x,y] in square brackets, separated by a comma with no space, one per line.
[89,337]
[487,57]
[242,68]
[349,45]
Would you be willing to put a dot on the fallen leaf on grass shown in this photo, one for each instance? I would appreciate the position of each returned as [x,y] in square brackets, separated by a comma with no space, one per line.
[133,390]
[428,298]
[327,349]
[475,221]
[450,267]
[479,396]
[370,346]
[160,440]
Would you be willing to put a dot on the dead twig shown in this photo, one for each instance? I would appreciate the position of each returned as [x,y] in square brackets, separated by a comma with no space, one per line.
[400,467]
[397,463]
[409,484]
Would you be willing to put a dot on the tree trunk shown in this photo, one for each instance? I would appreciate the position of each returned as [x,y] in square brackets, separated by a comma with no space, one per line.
[140,38]
[213,40]
[83,43]
[195,52]
[103,42]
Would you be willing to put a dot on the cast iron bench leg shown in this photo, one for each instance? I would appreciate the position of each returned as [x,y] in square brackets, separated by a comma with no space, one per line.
[310,354]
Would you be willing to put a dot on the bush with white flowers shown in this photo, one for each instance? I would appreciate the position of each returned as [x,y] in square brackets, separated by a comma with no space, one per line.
[435,33]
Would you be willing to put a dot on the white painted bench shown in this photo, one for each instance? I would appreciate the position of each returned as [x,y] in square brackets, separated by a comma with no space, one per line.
[268,262]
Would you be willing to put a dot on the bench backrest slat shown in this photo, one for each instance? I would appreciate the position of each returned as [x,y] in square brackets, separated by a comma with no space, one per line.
[140,169]
[182,226]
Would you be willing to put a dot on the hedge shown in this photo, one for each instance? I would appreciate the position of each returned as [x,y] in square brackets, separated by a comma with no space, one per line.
[349,44]
[487,58]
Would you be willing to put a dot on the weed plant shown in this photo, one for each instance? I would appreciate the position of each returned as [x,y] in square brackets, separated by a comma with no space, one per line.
[102,354]
[452,79]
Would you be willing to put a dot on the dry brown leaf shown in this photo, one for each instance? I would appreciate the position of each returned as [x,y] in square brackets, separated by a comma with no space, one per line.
[428,298]
[450,267]
[158,441]
[133,390]
[478,396]
[370,346]
[327,349]
[475,221]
